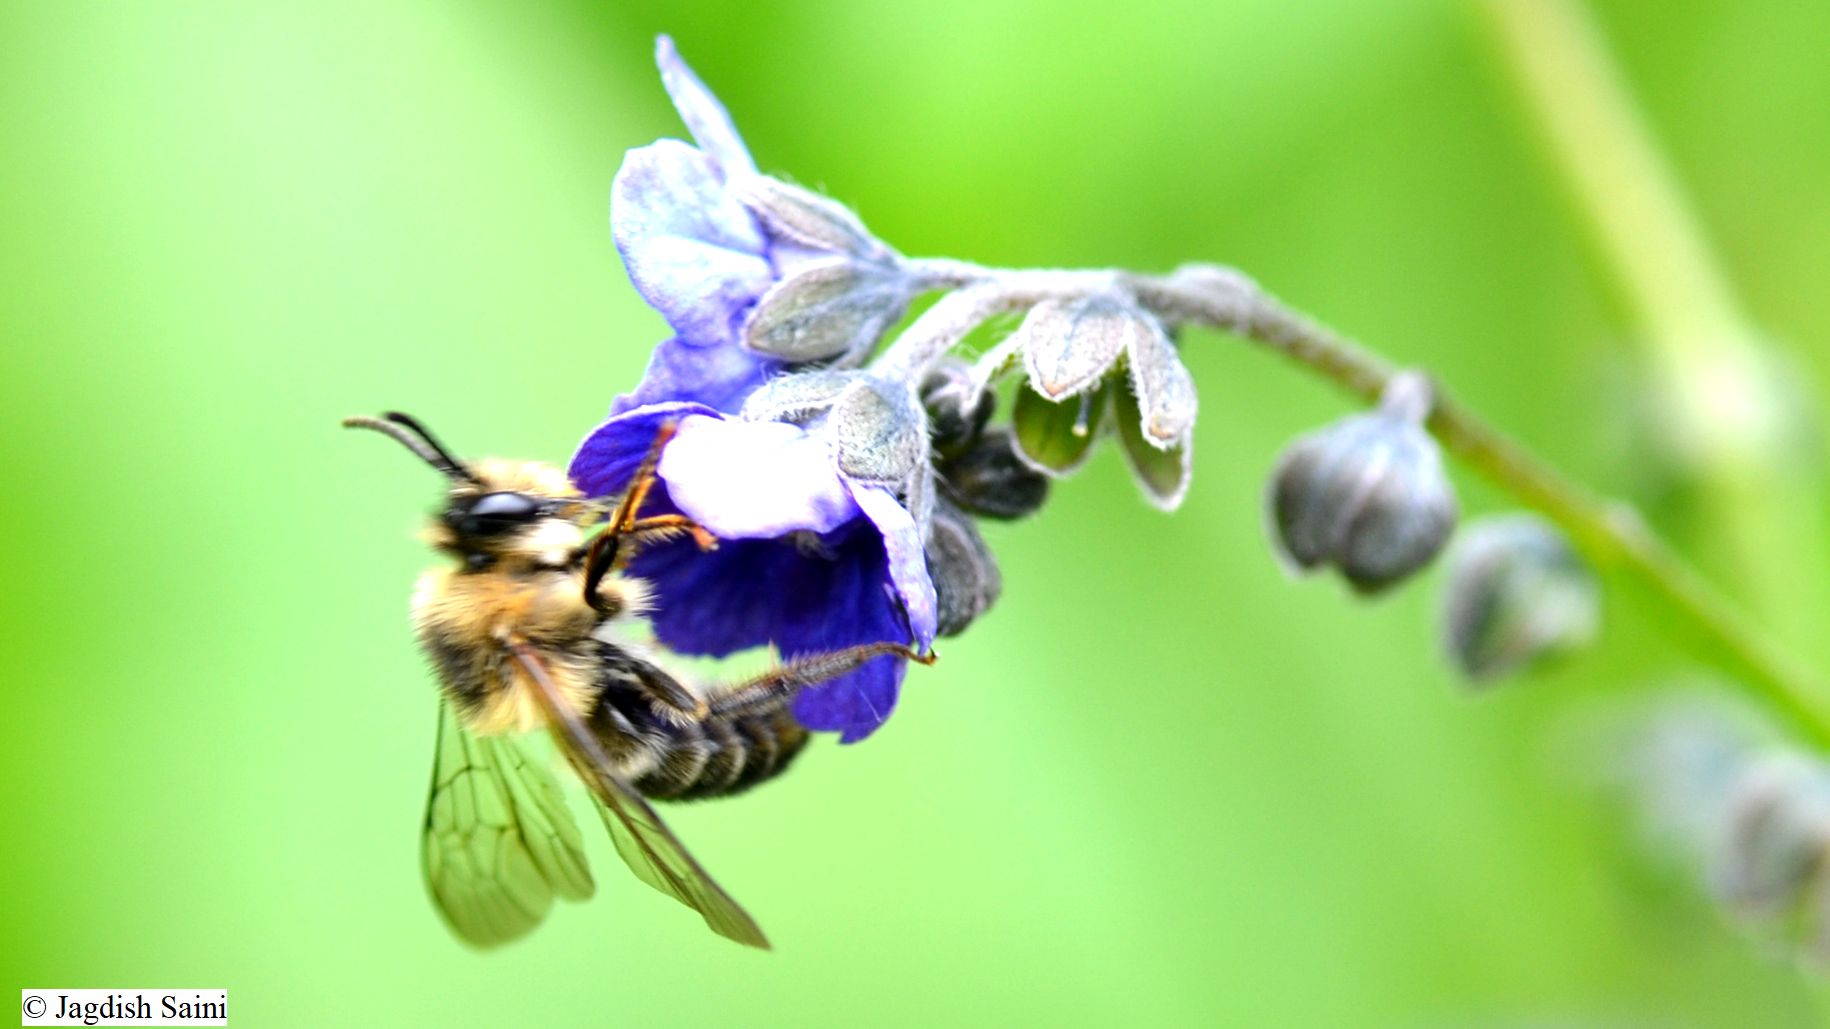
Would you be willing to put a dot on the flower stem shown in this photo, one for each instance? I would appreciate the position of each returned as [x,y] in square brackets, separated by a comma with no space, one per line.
[979,294]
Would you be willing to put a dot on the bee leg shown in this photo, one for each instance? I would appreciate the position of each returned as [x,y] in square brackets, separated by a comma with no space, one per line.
[664,526]
[607,551]
[598,561]
[665,690]
[628,511]
[779,685]
[612,549]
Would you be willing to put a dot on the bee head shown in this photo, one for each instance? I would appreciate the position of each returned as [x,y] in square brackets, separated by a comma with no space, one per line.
[494,509]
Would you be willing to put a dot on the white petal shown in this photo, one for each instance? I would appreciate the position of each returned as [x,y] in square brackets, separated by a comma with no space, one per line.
[754,480]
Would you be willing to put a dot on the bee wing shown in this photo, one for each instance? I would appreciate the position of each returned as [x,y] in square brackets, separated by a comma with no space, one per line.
[658,858]
[499,841]
[651,850]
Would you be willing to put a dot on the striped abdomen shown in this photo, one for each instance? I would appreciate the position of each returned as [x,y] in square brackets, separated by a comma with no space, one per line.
[667,756]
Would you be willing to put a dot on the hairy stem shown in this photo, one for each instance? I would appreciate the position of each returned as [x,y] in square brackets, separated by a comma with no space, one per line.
[980,295]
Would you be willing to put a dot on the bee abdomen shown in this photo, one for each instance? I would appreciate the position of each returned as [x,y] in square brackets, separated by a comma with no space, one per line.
[726,753]
[754,750]
[682,753]
[775,742]
[719,757]
[671,758]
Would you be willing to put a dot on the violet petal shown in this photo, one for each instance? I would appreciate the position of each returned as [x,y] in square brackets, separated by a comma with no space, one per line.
[720,377]
[694,253]
[704,116]
[610,455]
[908,563]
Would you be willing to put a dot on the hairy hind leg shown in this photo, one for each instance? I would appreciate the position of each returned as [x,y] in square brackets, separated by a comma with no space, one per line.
[775,687]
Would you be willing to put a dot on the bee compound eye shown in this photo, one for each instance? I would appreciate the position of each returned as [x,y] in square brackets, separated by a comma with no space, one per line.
[496,512]
[512,506]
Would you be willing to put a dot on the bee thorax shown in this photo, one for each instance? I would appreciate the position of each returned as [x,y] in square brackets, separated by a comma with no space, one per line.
[463,621]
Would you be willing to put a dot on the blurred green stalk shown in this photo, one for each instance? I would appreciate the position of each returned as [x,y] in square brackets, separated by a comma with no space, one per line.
[1723,414]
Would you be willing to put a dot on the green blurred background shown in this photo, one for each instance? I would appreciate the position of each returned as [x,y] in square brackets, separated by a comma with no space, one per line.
[1160,782]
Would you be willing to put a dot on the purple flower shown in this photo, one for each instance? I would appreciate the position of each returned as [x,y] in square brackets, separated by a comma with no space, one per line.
[695,252]
[810,559]
[753,274]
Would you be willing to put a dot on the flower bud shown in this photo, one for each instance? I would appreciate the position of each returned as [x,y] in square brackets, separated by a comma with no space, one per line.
[965,574]
[1070,344]
[1164,388]
[1776,834]
[830,309]
[957,408]
[991,481]
[1677,760]
[799,397]
[1367,494]
[806,218]
[1516,593]
[880,431]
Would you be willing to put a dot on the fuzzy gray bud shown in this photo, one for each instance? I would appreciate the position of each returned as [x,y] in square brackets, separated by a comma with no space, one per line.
[1164,388]
[833,309]
[807,218]
[880,431]
[1367,494]
[1776,834]
[1069,344]
[1517,592]
[800,396]
[957,408]
[990,480]
[966,577]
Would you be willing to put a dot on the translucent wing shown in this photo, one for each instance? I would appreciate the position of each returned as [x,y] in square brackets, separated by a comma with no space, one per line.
[499,842]
[651,850]
[658,858]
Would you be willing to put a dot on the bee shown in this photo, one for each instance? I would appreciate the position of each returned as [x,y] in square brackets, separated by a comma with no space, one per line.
[526,630]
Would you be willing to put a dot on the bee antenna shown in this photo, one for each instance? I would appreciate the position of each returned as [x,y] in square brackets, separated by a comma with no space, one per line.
[432,441]
[409,433]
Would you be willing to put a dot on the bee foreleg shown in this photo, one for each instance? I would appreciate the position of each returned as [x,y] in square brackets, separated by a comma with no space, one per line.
[627,512]
[778,685]
[663,527]
[613,548]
